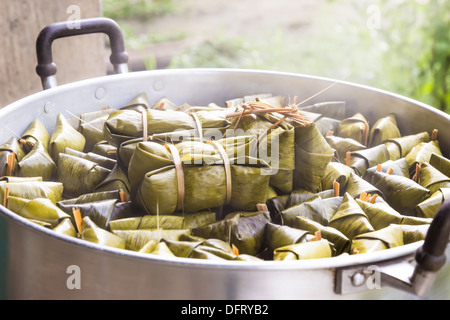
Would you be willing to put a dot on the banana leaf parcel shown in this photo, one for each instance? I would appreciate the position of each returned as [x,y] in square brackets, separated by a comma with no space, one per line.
[343,145]
[384,129]
[441,163]
[32,189]
[380,214]
[355,127]
[93,233]
[388,237]
[400,147]
[304,250]
[10,149]
[36,132]
[422,153]
[37,163]
[281,235]
[431,178]
[361,160]
[430,206]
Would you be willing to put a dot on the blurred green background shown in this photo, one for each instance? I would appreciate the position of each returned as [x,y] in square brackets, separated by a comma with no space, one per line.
[397,45]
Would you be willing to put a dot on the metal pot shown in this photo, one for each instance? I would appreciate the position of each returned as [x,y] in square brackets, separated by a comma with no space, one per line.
[36,263]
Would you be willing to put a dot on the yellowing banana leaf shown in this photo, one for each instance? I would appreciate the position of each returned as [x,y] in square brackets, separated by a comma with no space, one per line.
[400,147]
[40,209]
[11,146]
[357,185]
[136,239]
[298,196]
[64,136]
[312,156]
[355,127]
[37,163]
[390,237]
[341,243]
[32,190]
[91,232]
[361,160]
[342,146]
[91,197]
[36,132]
[318,209]
[402,194]
[79,176]
[157,248]
[281,235]
[384,129]
[398,167]
[139,103]
[330,109]
[19,179]
[338,172]
[117,179]
[66,227]
[422,153]
[105,149]
[411,220]
[326,125]
[164,104]
[100,212]
[380,214]
[101,160]
[304,250]
[429,207]
[432,179]
[441,163]
[350,219]
[414,233]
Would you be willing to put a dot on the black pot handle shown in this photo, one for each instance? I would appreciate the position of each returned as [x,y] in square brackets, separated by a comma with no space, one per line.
[46,68]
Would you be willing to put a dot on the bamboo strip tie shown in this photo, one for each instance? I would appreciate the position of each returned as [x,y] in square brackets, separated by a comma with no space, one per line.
[226,163]
[198,124]
[180,175]
[144,126]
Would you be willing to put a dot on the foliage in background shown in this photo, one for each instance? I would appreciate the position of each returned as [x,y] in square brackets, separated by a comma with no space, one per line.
[137,9]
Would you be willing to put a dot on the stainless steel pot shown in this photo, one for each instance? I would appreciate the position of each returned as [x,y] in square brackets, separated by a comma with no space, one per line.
[36,263]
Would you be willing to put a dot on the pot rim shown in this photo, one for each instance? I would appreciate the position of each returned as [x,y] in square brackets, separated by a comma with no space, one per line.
[401,252]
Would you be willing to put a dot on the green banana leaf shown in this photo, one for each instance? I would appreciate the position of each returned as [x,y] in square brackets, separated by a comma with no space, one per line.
[136,239]
[422,153]
[101,160]
[318,209]
[384,129]
[386,238]
[92,233]
[37,163]
[298,196]
[327,125]
[429,207]
[281,235]
[64,136]
[340,242]
[361,160]
[441,163]
[312,156]
[117,179]
[36,132]
[400,147]
[19,179]
[78,175]
[276,205]
[11,146]
[32,189]
[91,197]
[201,248]
[411,220]
[432,179]
[380,214]
[402,194]
[304,250]
[330,109]
[350,219]
[343,145]
[66,227]
[100,212]
[40,209]
[339,172]
[354,127]
[103,148]
[357,185]
[399,167]
[138,103]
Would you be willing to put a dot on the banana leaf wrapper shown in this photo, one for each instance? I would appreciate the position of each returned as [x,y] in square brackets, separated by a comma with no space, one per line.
[357,185]
[399,167]
[11,146]
[79,175]
[343,145]
[384,129]
[302,251]
[380,214]
[92,233]
[32,190]
[99,159]
[138,103]
[429,207]
[66,227]
[318,209]
[350,219]
[157,248]
[441,163]
[298,196]
[341,243]
[103,148]
[338,172]
[281,235]
[361,160]
[164,104]
[386,238]
[14,179]
[245,230]
[422,153]
[432,179]
[91,197]
[135,240]
[37,163]
[276,205]
[201,248]
[36,132]
[330,109]
[354,127]
[117,179]
[402,194]
[400,147]
[40,209]
[326,125]
[64,136]
[414,233]
[186,221]
[312,156]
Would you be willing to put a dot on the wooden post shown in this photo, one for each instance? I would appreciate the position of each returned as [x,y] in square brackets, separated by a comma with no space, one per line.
[76,58]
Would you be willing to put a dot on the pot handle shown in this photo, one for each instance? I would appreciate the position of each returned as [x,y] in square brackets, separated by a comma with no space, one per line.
[46,68]
[415,277]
